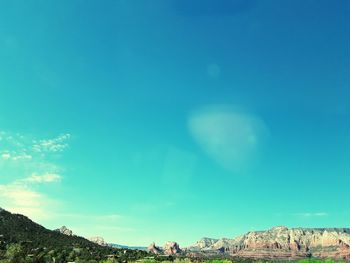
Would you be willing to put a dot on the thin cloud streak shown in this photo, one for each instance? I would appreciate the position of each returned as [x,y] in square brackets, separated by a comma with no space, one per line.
[44,178]
[309,214]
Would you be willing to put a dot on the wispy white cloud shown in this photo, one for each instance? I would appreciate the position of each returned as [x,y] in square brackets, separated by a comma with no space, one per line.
[24,181]
[22,156]
[230,137]
[24,150]
[15,156]
[18,147]
[54,145]
[24,171]
[43,178]
[5,156]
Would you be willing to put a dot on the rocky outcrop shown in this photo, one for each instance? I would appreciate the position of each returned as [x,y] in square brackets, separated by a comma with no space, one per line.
[64,230]
[98,240]
[171,248]
[152,248]
[282,242]
[204,243]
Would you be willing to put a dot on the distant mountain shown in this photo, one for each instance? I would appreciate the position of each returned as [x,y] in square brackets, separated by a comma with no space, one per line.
[282,242]
[127,247]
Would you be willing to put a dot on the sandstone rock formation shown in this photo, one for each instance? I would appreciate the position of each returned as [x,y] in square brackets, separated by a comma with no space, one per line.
[152,248]
[281,242]
[64,230]
[98,240]
[204,243]
[171,248]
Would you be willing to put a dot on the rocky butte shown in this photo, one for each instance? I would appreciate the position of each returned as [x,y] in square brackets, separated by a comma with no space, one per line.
[281,242]
[169,248]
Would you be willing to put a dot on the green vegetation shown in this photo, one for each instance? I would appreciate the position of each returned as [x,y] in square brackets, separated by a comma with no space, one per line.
[22,240]
[315,260]
[16,253]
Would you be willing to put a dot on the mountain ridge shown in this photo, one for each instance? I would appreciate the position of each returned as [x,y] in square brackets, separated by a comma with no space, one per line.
[278,242]
[283,242]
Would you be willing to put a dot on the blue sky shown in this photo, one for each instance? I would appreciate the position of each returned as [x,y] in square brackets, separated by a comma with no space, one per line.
[175,120]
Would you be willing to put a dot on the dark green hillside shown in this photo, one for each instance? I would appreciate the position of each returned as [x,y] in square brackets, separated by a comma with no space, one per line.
[22,238]
[16,228]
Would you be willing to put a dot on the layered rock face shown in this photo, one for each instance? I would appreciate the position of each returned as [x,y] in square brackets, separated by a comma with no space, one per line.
[281,242]
[204,243]
[154,249]
[171,248]
[64,230]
